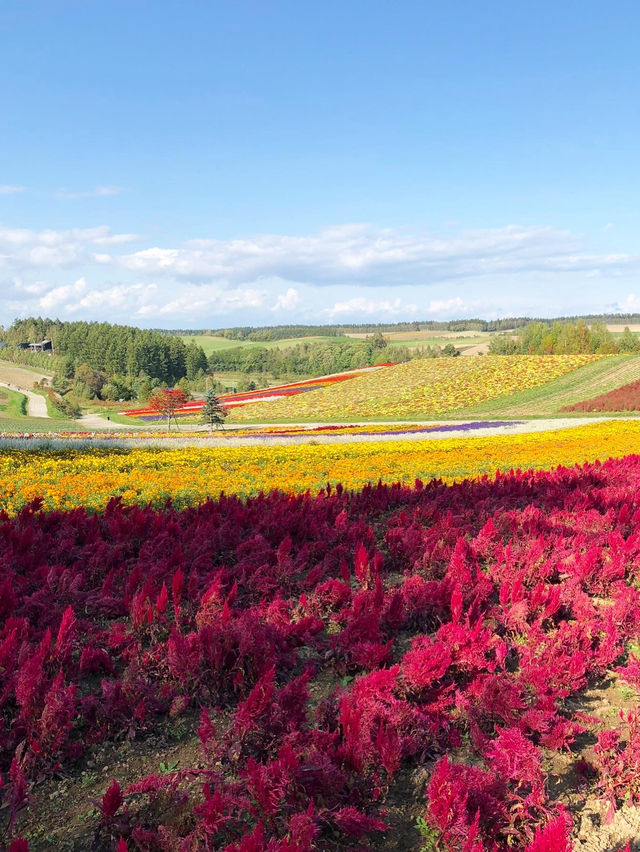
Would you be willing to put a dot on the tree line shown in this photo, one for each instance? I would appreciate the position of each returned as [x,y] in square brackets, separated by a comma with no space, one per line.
[570,338]
[314,358]
[113,349]
[101,359]
[287,332]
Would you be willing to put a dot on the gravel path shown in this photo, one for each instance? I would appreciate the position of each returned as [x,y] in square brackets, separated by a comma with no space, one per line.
[227,440]
[97,421]
[36,403]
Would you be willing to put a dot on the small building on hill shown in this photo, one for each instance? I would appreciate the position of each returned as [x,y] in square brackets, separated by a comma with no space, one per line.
[43,346]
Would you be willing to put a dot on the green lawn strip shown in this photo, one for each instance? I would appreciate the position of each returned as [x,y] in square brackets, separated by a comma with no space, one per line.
[13,403]
[547,400]
[113,414]
[212,343]
[37,424]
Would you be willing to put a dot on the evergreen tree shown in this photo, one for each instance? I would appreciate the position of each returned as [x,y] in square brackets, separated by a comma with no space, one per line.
[212,412]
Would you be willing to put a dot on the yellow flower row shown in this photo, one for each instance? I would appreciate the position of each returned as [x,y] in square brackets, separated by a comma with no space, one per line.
[419,388]
[71,478]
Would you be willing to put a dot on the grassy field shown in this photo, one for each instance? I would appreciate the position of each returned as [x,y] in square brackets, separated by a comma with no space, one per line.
[411,339]
[547,400]
[12,404]
[12,423]
[211,343]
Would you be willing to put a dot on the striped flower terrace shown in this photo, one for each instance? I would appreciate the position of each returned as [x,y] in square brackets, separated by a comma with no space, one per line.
[234,400]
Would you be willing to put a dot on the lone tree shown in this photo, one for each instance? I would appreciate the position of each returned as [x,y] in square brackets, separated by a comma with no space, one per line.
[212,411]
[167,401]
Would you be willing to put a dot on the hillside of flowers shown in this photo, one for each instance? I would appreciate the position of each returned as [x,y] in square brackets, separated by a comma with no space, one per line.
[422,387]
[88,476]
[192,408]
[625,398]
[323,650]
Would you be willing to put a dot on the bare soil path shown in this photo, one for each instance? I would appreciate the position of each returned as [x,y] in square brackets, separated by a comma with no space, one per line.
[187,438]
[21,380]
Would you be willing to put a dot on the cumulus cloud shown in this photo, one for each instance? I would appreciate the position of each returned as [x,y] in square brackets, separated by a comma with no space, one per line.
[361,305]
[438,306]
[61,295]
[372,256]
[23,248]
[287,301]
[331,273]
[630,304]
[117,296]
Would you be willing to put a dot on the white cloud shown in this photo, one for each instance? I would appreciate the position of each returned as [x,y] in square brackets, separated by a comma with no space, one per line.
[361,305]
[60,295]
[199,301]
[22,248]
[438,306]
[347,271]
[117,296]
[10,189]
[630,304]
[361,254]
[31,287]
[96,192]
[287,301]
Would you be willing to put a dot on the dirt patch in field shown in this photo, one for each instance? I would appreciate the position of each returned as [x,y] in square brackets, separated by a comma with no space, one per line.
[20,377]
[64,816]
[479,349]
[634,326]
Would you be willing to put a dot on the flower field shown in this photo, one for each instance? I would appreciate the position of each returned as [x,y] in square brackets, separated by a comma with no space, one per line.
[422,387]
[625,398]
[239,400]
[71,478]
[325,657]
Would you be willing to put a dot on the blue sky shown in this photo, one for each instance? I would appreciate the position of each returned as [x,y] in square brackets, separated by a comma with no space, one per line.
[204,164]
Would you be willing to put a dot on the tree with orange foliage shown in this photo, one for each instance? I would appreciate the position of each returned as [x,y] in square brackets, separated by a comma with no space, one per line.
[166,401]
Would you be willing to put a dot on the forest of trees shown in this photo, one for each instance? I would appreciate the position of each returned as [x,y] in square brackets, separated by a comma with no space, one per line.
[316,358]
[305,359]
[284,332]
[561,337]
[108,361]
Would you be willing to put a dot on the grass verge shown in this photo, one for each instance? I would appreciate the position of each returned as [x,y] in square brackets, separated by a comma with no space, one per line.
[12,403]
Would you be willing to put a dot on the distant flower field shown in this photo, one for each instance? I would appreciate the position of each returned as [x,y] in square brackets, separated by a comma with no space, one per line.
[192,408]
[187,476]
[422,387]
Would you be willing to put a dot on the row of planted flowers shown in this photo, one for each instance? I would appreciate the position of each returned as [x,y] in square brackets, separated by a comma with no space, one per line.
[422,387]
[90,476]
[268,432]
[235,400]
[329,647]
